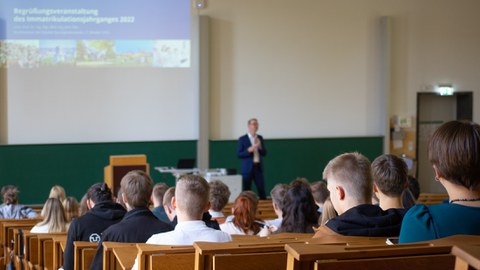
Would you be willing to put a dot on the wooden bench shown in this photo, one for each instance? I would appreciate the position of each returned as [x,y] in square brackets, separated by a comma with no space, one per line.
[45,249]
[431,198]
[7,227]
[466,256]
[258,254]
[109,259]
[83,254]
[413,256]
[156,257]
[59,243]
[331,252]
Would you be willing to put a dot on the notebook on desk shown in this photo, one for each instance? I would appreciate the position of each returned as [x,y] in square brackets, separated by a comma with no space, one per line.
[188,163]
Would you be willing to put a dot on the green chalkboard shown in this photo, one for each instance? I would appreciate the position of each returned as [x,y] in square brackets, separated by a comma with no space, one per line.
[36,168]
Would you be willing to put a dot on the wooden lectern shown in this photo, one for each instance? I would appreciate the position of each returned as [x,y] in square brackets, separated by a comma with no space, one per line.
[120,165]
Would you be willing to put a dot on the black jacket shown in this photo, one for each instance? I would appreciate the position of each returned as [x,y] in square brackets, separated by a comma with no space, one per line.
[90,227]
[368,220]
[136,226]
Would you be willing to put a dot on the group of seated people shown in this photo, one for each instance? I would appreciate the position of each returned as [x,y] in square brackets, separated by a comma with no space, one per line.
[341,204]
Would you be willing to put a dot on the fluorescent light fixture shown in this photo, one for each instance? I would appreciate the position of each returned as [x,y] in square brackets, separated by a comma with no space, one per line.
[445,90]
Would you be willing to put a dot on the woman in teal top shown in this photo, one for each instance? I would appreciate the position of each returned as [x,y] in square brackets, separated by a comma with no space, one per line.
[454,151]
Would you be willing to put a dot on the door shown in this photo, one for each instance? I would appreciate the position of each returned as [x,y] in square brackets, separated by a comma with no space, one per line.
[433,110]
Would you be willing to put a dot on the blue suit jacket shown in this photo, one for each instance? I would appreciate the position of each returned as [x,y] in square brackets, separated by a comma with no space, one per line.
[247,158]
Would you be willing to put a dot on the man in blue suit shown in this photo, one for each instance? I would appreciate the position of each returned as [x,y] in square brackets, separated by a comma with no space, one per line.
[251,150]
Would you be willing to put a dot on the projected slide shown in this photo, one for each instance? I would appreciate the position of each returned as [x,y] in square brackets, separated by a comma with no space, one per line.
[92,33]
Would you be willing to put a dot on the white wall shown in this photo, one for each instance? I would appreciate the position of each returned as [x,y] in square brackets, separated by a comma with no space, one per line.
[310,68]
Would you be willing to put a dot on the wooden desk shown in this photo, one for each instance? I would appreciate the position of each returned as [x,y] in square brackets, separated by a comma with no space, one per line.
[109,260]
[124,257]
[45,248]
[83,254]
[341,256]
[260,254]
[466,256]
[59,243]
[152,257]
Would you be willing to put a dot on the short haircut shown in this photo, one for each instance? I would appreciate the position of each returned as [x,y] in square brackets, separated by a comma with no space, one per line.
[251,119]
[10,194]
[136,188]
[167,197]
[158,192]
[455,150]
[192,194]
[353,172]
[319,191]
[99,192]
[278,194]
[219,195]
[390,174]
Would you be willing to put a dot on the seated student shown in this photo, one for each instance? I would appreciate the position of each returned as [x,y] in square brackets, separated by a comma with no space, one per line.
[328,212]
[54,220]
[219,195]
[139,223]
[320,194]
[244,221]
[89,227]
[56,192]
[454,151]
[349,181]
[390,179]
[71,207]
[252,195]
[157,199]
[10,207]
[167,204]
[278,198]
[191,200]
[299,209]
[83,208]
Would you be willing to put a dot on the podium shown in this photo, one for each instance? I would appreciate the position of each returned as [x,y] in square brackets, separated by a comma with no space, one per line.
[120,165]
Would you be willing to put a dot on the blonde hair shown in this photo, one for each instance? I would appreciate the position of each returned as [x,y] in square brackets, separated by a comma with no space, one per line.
[192,195]
[58,192]
[71,208]
[328,211]
[353,172]
[54,216]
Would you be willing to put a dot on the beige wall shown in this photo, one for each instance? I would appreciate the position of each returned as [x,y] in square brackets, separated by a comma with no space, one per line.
[311,68]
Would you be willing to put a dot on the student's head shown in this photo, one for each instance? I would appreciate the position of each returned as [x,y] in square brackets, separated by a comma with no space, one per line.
[328,211]
[349,181]
[244,210]
[454,151]
[136,189]
[98,193]
[157,194]
[320,192]
[71,207]
[54,216]
[278,197]
[390,175]
[299,210]
[10,194]
[167,203]
[191,197]
[219,195]
[57,192]
[252,195]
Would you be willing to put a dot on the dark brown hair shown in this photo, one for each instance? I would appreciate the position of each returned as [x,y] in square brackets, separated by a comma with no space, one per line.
[219,195]
[455,150]
[136,188]
[390,174]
